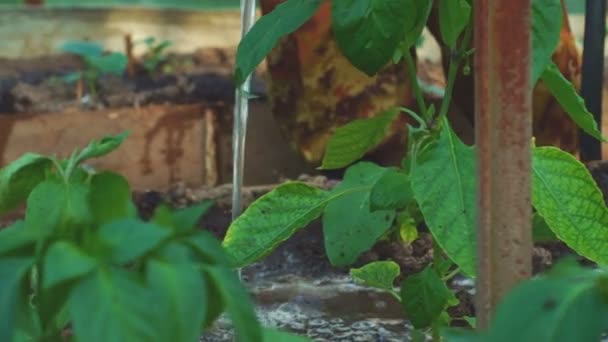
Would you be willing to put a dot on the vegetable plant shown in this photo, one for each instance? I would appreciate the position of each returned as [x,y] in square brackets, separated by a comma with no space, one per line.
[435,184]
[97,63]
[154,55]
[82,266]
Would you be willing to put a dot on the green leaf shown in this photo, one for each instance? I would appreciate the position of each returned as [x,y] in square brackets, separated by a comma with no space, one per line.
[379,274]
[54,207]
[82,48]
[12,271]
[553,309]
[113,63]
[187,218]
[111,305]
[350,227]
[64,261]
[567,197]
[541,231]
[180,298]
[444,184]
[272,219]
[273,335]
[18,178]
[129,239]
[351,141]
[99,148]
[238,304]
[454,17]
[546,28]
[570,101]
[110,198]
[208,248]
[415,20]
[392,191]
[16,236]
[263,36]
[424,296]
[368,31]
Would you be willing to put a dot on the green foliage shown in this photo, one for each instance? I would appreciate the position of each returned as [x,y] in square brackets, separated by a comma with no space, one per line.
[546,28]
[567,197]
[272,219]
[155,53]
[97,63]
[424,296]
[82,257]
[444,185]
[392,191]
[379,274]
[564,305]
[351,141]
[284,19]
[570,101]
[367,31]
[348,233]
[454,17]
[437,178]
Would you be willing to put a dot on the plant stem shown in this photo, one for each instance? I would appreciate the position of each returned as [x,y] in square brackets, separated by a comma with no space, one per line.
[457,57]
[411,70]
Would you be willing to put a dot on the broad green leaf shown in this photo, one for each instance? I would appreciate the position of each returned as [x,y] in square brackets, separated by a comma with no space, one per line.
[273,335]
[546,27]
[64,261]
[113,63]
[18,178]
[181,299]
[187,218]
[99,148]
[541,232]
[12,271]
[16,236]
[163,217]
[208,248]
[351,141]
[349,226]
[567,197]
[238,304]
[454,17]
[368,31]
[415,20]
[272,219]
[444,184]
[55,207]
[553,309]
[379,274]
[263,36]
[129,239]
[216,303]
[110,198]
[392,191]
[424,296]
[175,252]
[82,48]
[111,305]
[570,101]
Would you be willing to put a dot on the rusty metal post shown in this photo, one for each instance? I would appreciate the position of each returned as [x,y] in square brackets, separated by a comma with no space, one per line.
[503,124]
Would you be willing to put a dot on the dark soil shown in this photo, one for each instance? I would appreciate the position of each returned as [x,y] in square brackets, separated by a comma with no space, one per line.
[37,85]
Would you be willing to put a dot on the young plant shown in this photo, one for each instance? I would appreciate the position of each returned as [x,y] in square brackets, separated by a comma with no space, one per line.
[154,55]
[97,63]
[437,174]
[82,266]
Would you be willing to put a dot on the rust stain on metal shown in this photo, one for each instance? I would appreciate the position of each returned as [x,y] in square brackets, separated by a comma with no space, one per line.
[503,117]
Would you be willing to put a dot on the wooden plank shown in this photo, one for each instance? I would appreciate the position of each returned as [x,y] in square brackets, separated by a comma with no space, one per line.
[165,145]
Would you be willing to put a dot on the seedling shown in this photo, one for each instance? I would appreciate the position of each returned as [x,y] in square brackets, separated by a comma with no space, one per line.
[154,55]
[97,63]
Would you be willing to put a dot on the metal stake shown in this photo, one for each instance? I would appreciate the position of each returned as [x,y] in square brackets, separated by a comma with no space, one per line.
[503,125]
